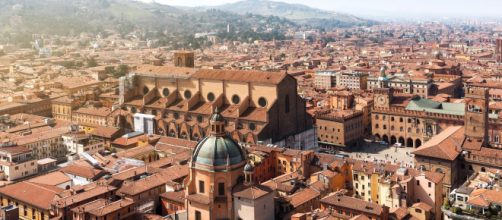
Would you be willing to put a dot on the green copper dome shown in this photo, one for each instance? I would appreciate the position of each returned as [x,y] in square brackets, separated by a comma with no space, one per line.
[218,151]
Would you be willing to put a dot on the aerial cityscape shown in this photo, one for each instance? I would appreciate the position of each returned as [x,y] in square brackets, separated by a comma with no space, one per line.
[250,109]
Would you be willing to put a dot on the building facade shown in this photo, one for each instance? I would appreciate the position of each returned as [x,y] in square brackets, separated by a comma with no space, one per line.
[325,79]
[258,106]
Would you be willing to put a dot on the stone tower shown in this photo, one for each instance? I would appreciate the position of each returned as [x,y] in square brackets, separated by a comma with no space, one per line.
[184,58]
[476,114]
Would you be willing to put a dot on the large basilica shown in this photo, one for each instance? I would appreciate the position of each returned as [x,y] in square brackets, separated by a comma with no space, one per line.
[259,107]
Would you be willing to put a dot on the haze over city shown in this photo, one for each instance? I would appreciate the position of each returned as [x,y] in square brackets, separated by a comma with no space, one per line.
[250,110]
[385,8]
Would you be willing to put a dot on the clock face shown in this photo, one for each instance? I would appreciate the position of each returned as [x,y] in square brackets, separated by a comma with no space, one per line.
[381,100]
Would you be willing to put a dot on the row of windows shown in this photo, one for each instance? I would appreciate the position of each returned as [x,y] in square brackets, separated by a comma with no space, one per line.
[221,188]
[392,128]
[262,101]
[410,120]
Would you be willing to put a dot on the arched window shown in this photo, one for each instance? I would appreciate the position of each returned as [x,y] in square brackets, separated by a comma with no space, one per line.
[286,103]
[180,61]
[497,139]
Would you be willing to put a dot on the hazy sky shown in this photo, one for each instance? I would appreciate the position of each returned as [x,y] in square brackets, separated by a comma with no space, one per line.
[392,8]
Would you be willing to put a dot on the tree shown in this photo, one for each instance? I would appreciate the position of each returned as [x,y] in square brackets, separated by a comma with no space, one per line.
[91,62]
[122,70]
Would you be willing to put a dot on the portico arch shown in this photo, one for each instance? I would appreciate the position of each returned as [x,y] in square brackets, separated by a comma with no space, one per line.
[409,142]
[393,139]
[418,143]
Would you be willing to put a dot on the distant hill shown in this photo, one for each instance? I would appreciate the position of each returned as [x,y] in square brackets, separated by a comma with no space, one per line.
[249,20]
[295,12]
[61,16]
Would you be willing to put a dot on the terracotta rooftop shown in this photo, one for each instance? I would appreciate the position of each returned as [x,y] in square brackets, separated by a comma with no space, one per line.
[253,192]
[53,179]
[241,76]
[337,200]
[445,145]
[177,196]
[111,207]
[25,191]
[82,171]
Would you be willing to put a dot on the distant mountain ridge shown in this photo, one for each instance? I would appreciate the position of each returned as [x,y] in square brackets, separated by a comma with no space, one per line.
[296,12]
[250,19]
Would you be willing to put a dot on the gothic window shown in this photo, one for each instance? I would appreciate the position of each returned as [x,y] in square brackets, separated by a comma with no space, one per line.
[286,103]
[180,61]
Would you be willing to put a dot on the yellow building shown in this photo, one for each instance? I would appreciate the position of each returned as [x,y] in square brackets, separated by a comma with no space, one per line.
[62,108]
[30,207]
[88,118]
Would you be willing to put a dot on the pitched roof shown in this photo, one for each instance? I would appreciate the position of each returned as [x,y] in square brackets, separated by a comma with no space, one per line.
[445,145]
[484,197]
[177,196]
[241,76]
[111,207]
[253,192]
[53,179]
[142,185]
[87,195]
[352,203]
[25,191]
[82,171]
[303,196]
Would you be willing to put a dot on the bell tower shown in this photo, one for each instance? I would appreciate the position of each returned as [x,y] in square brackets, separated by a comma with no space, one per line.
[476,114]
[184,58]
